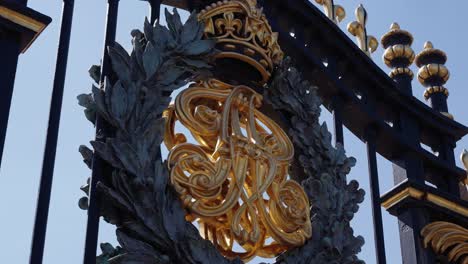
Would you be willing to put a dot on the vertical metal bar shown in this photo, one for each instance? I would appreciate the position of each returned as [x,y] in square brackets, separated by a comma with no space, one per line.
[375,196]
[9,52]
[45,186]
[155,9]
[338,121]
[99,165]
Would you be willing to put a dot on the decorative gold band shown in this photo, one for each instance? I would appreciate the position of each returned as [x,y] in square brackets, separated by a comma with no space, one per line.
[24,21]
[399,71]
[429,71]
[429,197]
[398,51]
[435,89]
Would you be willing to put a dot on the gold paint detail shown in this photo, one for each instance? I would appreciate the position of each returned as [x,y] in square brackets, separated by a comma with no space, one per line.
[433,70]
[447,204]
[447,239]
[464,160]
[395,31]
[429,50]
[242,25]
[408,192]
[435,89]
[357,28]
[234,180]
[424,196]
[335,13]
[432,74]
[398,71]
[23,21]
[448,115]
[398,53]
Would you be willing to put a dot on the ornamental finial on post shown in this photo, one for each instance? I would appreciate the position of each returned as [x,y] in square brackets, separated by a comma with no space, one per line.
[433,74]
[398,53]
[367,43]
[335,12]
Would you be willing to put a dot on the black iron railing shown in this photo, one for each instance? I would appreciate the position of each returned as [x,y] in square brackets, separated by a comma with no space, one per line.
[347,83]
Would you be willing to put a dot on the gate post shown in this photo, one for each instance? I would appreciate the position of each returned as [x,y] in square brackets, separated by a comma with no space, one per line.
[19,27]
[433,74]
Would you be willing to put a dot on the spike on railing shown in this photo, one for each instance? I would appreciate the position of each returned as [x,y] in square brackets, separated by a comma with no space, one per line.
[433,74]
[335,12]
[357,28]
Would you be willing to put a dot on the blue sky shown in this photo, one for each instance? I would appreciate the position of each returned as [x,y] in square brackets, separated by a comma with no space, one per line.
[433,20]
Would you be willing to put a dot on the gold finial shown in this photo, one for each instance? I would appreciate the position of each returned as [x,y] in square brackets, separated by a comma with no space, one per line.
[367,43]
[428,45]
[398,53]
[335,12]
[394,26]
[432,72]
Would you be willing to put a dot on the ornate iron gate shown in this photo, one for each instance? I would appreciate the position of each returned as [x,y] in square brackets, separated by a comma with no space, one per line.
[378,108]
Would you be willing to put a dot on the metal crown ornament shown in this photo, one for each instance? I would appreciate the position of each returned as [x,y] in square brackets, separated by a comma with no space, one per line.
[243,33]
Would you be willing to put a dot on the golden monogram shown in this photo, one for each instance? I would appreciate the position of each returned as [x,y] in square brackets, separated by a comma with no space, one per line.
[234,180]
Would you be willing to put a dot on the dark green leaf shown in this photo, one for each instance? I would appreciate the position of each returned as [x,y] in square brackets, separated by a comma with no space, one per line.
[95,73]
[151,60]
[199,47]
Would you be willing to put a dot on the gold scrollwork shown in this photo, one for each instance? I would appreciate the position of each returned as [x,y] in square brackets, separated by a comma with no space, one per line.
[234,182]
[447,239]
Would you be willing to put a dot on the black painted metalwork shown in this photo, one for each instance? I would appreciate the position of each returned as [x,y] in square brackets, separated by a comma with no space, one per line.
[45,186]
[338,121]
[9,52]
[99,167]
[379,241]
[14,39]
[371,97]
[379,110]
[155,9]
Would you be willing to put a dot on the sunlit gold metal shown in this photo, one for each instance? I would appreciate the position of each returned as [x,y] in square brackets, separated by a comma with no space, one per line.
[234,181]
[335,12]
[464,160]
[357,28]
[431,66]
[424,196]
[24,21]
[447,239]
[243,32]
[398,53]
